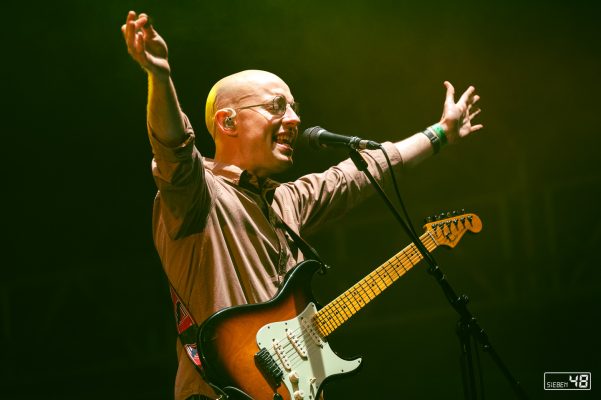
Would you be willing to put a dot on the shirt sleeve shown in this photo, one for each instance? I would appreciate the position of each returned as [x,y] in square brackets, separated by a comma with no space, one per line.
[316,198]
[183,198]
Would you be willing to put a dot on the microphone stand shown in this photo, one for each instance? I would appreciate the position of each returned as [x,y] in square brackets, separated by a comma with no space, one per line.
[467,324]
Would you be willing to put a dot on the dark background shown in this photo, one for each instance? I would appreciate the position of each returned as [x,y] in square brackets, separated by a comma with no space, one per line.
[84,306]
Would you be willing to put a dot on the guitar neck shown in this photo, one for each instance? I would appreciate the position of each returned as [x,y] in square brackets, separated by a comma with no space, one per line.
[341,309]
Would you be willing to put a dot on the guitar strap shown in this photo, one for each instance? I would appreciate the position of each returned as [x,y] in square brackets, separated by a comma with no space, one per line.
[267,194]
[187,328]
[308,251]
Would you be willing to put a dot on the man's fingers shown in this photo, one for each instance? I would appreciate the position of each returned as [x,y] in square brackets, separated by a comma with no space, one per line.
[476,127]
[131,16]
[148,28]
[129,34]
[472,115]
[139,42]
[132,25]
[134,35]
[135,31]
[141,21]
[467,94]
[450,97]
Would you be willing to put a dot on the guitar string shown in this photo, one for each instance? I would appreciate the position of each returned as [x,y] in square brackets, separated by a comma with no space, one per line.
[375,278]
[409,254]
[295,359]
[380,275]
[354,297]
[289,350]
[385,279]
[382,279]
[427,239]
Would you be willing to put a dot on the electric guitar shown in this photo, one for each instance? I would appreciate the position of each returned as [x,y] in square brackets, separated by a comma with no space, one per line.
[279,350]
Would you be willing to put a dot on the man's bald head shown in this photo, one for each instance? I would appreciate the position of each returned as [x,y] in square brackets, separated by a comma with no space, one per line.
[233,89]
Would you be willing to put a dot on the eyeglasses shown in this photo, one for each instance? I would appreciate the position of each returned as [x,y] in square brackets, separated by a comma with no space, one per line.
[276,107]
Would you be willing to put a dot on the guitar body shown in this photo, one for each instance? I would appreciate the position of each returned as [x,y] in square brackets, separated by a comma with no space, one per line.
[260,351]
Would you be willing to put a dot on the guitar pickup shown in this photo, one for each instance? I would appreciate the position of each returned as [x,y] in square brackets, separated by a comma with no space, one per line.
[295,341]
[280,352]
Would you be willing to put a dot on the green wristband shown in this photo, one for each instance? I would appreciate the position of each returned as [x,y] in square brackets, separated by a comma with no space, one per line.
[437,128]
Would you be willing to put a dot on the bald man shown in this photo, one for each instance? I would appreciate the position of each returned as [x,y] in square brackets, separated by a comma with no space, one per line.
[218,224]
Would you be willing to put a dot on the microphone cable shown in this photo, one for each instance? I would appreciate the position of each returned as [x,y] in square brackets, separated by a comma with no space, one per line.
[397,191]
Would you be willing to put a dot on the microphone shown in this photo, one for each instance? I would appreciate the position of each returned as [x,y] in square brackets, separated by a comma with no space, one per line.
[319,137]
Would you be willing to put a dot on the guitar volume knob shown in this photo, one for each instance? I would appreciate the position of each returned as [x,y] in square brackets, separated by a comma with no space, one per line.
[298,395]
[293,377]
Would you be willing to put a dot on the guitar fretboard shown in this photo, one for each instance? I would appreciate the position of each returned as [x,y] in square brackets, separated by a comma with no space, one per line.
[339,310]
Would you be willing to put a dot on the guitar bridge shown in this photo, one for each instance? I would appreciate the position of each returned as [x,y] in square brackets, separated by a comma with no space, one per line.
[268,366]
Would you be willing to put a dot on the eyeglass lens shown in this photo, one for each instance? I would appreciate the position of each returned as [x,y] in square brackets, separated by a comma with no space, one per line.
[280,103]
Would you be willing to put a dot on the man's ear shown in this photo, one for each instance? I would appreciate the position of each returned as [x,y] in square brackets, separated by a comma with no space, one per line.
[225,121]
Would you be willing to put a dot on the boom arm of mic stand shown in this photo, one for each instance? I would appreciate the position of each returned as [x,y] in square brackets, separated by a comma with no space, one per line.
[458,303]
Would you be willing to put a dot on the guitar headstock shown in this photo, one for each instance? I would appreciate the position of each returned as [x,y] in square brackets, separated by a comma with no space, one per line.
[448,228]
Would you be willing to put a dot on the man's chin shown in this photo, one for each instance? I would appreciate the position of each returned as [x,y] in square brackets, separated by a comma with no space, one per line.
[283,164]
[279,165]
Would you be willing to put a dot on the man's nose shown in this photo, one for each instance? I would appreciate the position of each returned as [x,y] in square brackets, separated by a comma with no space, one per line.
[290,118]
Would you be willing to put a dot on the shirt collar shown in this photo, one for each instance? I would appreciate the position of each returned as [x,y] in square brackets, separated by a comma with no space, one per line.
[240,177]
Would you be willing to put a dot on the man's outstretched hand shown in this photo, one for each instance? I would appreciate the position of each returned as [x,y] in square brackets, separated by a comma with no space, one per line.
[145,45]
[457,117]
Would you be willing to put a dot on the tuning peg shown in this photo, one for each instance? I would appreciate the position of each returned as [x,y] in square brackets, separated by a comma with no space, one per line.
[428,219]
[454,213]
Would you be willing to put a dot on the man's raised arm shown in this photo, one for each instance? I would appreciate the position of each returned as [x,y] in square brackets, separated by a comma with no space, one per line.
[149,50]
